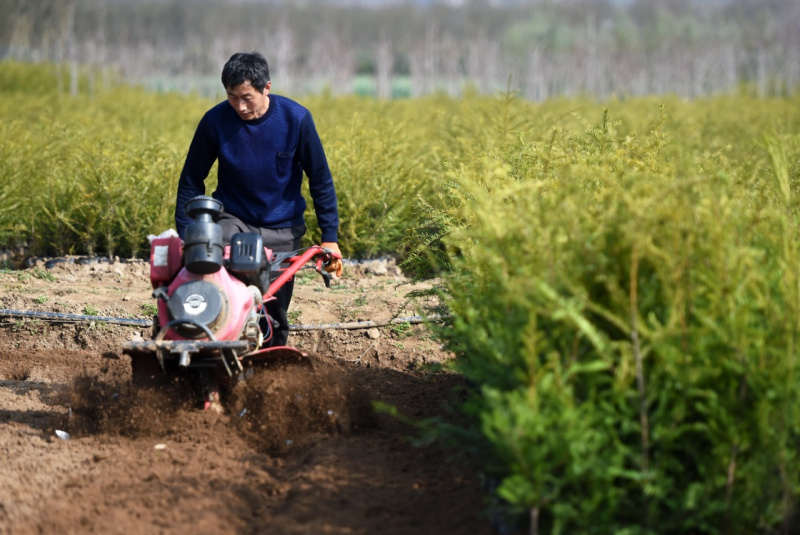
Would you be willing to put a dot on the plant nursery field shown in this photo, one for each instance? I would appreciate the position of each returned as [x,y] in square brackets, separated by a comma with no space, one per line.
[617,296]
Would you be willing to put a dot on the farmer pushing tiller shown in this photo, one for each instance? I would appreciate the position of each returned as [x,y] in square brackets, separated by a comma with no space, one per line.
[263,144]
[223,293]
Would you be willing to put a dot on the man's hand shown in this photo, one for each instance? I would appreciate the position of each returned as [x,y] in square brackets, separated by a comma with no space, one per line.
[335,264]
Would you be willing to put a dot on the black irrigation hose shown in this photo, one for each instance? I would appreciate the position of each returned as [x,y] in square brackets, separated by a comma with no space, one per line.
[364,324]
[56,317]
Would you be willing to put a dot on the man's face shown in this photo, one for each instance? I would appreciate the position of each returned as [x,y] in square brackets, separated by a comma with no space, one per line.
[248,102]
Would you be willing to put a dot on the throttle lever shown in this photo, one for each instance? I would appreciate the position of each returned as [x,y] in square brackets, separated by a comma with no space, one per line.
[326,277]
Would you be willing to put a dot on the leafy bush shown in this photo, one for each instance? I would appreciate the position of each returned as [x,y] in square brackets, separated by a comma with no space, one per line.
[87,174]
[381,161]
[628,308]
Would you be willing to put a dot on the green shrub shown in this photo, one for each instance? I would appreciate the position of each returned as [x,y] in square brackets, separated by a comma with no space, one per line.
[89,174]
[381,163]
[629,307]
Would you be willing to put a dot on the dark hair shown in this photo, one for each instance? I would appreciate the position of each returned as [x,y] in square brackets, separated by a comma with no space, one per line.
[246,67]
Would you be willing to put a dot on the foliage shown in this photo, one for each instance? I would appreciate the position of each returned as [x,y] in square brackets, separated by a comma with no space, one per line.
[623,282]
[381,161]
[96,175]
[625,299]
[88,174]
[148,309]
[89,310]
[43,274]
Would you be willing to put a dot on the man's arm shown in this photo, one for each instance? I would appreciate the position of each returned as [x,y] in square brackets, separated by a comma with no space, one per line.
[320,182]
[201,156]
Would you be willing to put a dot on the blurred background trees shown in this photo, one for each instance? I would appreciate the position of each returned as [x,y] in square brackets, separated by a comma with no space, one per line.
[390,48]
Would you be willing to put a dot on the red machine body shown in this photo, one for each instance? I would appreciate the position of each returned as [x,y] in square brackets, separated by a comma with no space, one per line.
[166,259]
[211,299]
[238,303]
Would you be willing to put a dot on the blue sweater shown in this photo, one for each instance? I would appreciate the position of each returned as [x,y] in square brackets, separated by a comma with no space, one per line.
[261,165]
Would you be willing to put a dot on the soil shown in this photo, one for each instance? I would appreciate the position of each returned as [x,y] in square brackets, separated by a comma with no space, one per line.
[297,450]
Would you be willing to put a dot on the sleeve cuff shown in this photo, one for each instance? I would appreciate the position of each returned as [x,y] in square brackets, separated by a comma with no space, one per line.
[330,235]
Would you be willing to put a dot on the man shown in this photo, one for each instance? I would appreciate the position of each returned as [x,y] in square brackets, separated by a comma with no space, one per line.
[263,144]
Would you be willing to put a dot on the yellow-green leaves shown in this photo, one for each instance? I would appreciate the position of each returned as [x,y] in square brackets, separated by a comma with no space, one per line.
[645,286]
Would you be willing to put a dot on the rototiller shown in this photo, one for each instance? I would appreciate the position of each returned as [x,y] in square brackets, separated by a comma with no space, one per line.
[212,322]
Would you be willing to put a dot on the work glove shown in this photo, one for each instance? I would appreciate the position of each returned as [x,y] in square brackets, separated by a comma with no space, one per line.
[335,265]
